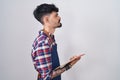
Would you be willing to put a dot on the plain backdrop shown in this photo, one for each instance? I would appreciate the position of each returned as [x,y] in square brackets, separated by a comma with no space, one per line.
[89,26]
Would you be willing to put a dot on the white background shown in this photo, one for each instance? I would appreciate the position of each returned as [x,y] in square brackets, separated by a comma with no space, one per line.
[89,26]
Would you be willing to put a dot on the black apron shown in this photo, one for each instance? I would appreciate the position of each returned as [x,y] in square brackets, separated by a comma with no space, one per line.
[55,60]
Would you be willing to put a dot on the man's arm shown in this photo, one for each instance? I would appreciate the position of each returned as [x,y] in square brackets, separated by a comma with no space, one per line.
[42,62]
[66,66]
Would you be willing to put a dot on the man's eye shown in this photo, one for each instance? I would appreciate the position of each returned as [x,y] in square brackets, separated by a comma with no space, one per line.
[56,15]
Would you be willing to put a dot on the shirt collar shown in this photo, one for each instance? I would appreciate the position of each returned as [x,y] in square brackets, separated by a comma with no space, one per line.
[48,34]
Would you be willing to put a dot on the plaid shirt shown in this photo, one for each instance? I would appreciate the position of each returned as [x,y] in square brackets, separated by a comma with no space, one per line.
[41,56]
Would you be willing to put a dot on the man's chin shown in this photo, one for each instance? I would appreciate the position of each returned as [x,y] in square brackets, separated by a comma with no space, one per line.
[60,25]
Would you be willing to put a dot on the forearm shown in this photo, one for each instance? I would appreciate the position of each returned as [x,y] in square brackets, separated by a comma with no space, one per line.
[60,70]
[57,72]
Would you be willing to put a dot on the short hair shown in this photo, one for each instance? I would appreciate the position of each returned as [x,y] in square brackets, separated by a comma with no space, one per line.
[43,10]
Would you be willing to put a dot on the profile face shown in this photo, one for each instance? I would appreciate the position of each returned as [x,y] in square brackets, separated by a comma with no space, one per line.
[54,20]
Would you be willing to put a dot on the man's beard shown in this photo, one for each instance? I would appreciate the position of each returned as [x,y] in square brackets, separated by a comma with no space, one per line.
[59,25]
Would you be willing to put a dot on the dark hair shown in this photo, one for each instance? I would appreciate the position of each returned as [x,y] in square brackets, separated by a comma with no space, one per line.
[44,9]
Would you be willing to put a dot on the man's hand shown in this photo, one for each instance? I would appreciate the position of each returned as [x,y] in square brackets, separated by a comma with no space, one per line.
[74,59]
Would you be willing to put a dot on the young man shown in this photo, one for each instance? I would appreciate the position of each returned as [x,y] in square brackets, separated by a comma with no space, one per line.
[44,49]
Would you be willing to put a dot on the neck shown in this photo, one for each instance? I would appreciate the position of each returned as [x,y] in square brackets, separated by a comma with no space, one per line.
[49,29]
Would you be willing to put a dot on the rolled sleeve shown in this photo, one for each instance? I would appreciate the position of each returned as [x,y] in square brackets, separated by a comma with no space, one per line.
[41,56]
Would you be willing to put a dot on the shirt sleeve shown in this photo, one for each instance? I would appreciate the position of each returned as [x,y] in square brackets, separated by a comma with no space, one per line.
[41,56]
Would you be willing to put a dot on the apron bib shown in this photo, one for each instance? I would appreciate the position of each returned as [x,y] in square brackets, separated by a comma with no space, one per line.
[55,60]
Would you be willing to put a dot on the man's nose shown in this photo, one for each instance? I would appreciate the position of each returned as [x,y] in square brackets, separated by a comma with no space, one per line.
[59,17]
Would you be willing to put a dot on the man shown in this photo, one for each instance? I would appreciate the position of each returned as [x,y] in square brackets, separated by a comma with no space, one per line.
[44,49]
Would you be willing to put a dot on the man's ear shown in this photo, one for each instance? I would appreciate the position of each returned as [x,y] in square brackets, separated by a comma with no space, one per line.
[45,19]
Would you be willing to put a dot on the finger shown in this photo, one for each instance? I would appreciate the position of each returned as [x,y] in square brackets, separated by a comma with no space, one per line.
[81,55]
[73,57]
[76,57]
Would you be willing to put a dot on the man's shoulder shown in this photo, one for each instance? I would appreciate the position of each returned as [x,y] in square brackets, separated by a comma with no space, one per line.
[40,39]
